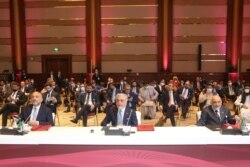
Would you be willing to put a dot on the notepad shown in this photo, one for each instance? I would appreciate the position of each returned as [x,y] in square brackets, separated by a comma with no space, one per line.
[40,128]
[145,127]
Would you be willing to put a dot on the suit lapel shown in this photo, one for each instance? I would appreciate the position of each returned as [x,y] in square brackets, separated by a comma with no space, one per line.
[222,114]
[126,116]
[213,114]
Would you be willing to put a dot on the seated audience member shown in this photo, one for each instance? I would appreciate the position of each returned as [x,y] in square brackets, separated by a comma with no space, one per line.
[215,114]
[148,96]
[205,97]
[230,91]
[51,98]
[37,113]
[89,102]
[14,100]
[185,97]
[169,101]
[120,114]
[132,97]
[243,101]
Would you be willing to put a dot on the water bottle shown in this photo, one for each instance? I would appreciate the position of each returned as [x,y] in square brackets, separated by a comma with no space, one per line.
[244,128]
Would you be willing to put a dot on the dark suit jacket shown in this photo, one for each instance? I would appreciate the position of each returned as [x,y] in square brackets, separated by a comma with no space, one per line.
[209,118]
[20,96]
[189,96]
[165,99]
[134,100]
[53,94]
[110,93]
[94,98]
[129,117]
[44,115]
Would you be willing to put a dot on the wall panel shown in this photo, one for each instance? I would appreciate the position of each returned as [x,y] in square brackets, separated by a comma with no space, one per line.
[199,22]
[55,24]
[123,66]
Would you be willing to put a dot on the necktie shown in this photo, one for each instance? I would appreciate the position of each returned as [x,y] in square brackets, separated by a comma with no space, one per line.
[217,115]
[34,115]
[113,96]
[170,102]
[184,94]
[119,117]
[48,96]
[87,99]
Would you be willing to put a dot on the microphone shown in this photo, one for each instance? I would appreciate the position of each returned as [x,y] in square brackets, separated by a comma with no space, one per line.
[127,131]
[27,118]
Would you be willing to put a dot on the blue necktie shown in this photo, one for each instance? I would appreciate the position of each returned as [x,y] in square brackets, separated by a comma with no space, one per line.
[119,117]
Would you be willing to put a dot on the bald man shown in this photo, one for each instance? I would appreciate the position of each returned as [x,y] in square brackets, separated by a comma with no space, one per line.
[37,113]
[215,114]
[121,114]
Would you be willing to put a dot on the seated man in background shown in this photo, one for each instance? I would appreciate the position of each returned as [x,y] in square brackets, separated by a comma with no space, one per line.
[215,115]
[51,98]
[89,102]
[148,96]
[132,97]
[243,101]
[14,100]
[205,97]
[169,101]
[120,114]
[37,113]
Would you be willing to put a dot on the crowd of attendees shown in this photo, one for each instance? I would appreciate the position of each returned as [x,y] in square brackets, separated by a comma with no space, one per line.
[146,96]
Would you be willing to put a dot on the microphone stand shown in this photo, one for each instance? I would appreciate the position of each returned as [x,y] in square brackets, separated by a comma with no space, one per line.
[127,132]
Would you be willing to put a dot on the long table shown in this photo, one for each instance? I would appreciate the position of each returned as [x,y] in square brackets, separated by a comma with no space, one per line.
[166,146]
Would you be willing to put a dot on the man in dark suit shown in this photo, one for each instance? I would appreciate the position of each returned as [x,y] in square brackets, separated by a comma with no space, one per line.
[215,115]
[89,103]
[132,97]
[14,100]
[160,88]
[185,97]
[51,98]
[230,91]
[120,114]
[169,101]
[37,113]
[135,88]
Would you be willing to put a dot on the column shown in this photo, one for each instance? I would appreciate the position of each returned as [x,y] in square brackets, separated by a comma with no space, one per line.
[165,35]
[93,25]
[18,35]
[234,37]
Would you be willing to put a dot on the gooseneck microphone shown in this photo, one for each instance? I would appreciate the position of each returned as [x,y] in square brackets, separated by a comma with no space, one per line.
[127,131]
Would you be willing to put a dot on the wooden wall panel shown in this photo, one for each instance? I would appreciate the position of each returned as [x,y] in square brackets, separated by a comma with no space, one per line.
[245,57]
[55,13]
[123,66]
[200,29]
[199,22]
[192,48]
[130,30]
[129,12]
[55,31]
[39,49]
[193,11]
[129,48]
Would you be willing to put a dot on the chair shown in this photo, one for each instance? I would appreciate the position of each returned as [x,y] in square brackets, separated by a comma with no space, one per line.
[198,116]
[15,114]
[91,115]
[177,116]
[138,116]
[56,116]
[94,115]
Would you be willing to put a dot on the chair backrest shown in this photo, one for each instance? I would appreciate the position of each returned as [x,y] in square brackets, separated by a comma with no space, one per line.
[198,116]
[138,116]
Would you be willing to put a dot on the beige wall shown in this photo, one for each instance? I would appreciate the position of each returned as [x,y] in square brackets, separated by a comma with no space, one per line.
[129,34]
